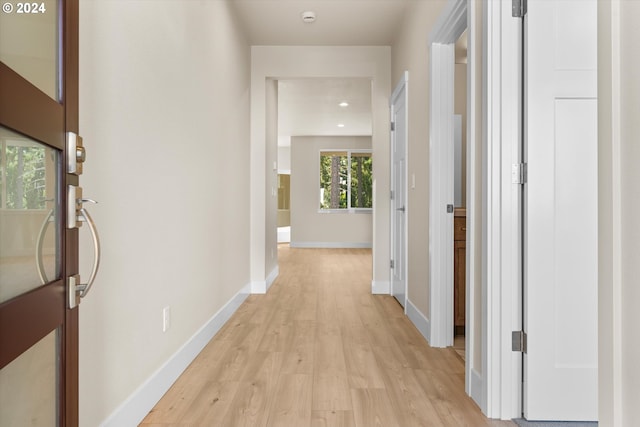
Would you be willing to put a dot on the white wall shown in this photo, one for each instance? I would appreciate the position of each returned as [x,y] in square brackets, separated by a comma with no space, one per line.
[320,61]
[284,159]
[630,138]
[411,52]
[460,107]
[164,111]
[309,227]
[619,208]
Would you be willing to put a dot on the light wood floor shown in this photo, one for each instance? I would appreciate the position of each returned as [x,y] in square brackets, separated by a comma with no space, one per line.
[319,350]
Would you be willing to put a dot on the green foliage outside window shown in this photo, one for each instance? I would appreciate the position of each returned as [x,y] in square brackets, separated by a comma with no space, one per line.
[24,177]
[345,180]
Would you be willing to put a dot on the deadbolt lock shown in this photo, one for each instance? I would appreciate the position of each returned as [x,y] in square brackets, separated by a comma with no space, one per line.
[76,154]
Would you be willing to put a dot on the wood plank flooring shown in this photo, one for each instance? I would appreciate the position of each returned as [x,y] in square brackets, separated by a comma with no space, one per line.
[318,350]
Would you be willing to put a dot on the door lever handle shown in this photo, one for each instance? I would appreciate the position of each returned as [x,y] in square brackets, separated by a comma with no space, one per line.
[85,217]
[400,209]
[79,290]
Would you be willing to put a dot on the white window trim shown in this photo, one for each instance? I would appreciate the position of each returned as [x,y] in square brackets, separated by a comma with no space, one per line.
[349,151]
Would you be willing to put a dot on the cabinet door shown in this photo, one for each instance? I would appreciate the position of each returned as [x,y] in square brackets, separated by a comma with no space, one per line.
[459,262]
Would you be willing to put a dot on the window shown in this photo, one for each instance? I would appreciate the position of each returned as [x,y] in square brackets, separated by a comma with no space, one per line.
[345,180]
[22,175]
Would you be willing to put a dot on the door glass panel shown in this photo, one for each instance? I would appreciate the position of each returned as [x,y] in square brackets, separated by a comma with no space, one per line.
[29,215]
[28,386]
[29,42]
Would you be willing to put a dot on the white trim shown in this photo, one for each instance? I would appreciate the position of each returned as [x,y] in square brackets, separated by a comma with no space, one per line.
[450,25]
[458,15]
[441,194]
[419,320]
[611,410]
[501,209]
[332,245]
[472,208]
[133,410]
[476,384]
[402,86]
[349,152]
[380,288]
[261,287]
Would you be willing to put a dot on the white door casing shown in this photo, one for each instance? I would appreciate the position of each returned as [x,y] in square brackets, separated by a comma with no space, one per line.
[561,223]
[450,25]
[399,210]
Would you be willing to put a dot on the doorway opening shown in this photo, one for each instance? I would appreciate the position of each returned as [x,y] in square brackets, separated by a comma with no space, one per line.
[460,194]
[324,156]
[456,302]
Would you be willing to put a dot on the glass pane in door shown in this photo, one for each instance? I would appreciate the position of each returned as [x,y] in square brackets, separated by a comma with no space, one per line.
[28,386]
[29,243]
[29,42]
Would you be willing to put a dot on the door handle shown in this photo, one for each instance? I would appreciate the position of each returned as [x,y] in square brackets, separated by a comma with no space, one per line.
[400,209]
[80,290]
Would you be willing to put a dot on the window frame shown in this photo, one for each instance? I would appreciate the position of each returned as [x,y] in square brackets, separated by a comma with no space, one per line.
[349,209]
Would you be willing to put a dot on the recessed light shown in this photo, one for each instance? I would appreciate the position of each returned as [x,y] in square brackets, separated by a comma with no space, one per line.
[340,125]
[308,16]
[344,104]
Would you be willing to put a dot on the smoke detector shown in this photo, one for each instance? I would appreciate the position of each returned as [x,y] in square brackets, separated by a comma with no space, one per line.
[308,17]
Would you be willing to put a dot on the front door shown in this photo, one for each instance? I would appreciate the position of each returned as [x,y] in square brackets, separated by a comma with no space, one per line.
[561,223]
[38,252]
[399,191]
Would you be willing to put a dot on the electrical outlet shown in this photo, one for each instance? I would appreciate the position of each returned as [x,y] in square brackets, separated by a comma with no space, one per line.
[166,318]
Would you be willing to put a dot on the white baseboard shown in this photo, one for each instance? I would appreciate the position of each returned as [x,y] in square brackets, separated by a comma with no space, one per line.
[133,410]
[476,387]
[380,287]
[419,320]
[261,287]
[332,245]
[272,277]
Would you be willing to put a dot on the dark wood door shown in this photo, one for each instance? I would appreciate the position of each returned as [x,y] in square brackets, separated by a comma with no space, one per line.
[38,109]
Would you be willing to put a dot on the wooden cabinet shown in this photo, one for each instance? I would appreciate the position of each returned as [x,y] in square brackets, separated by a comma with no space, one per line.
[459,263]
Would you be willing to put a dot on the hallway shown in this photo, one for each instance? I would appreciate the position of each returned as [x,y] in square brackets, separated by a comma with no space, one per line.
[320,350]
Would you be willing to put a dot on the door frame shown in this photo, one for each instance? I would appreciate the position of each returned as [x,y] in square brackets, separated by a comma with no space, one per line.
[502,215]
[450,25]
[495,383]
[402,86]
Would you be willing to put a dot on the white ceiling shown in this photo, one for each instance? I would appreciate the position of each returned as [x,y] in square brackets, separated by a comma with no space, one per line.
[338,22]
[311,107]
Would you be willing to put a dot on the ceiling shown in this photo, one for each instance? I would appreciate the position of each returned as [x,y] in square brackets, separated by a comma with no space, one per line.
[311,107]
[338,22]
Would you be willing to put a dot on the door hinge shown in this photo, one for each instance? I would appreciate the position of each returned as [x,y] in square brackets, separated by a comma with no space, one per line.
[519,173]
[393,126]
[519,341]
[450,209]
[391,264]
[518,8]
[391,194]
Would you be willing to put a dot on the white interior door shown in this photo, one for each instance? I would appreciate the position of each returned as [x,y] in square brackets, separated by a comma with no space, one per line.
[561,301]
[399,189]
